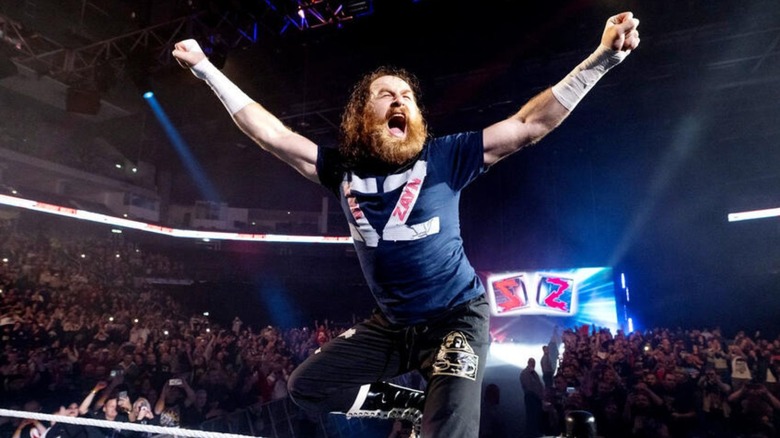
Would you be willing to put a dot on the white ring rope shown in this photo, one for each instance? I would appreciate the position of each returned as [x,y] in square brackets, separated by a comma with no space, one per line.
[175,431]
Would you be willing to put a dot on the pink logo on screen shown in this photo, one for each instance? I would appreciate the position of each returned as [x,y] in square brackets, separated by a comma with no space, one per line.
[551,294]
[511,294]
[556,294]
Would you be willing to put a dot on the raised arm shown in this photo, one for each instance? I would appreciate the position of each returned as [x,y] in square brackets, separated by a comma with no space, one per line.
[159,406]
[549,108]
[259,124]
[190,400]
[87,402]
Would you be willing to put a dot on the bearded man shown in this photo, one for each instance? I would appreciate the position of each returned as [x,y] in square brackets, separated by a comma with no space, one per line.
[399,190]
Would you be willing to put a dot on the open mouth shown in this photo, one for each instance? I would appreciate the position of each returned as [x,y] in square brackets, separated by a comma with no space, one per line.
[397,125]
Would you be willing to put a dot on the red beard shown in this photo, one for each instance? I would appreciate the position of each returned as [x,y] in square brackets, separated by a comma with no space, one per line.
[390,149]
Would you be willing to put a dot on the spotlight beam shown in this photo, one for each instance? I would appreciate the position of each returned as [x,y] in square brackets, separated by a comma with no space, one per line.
[207,190]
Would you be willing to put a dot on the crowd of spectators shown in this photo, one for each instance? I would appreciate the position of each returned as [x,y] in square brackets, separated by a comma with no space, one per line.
[664,383]
[82,335]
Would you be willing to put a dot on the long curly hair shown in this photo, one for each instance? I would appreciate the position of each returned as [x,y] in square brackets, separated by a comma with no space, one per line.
[354,133]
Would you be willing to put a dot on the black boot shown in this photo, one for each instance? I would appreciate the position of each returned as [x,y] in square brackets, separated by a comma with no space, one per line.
[385,400]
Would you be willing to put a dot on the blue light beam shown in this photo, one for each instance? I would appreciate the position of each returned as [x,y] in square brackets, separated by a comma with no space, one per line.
[203,184]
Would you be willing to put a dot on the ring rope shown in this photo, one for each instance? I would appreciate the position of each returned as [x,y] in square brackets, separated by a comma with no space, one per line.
[175,431]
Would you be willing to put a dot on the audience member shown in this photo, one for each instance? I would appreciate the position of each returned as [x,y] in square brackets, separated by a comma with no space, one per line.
[533,392]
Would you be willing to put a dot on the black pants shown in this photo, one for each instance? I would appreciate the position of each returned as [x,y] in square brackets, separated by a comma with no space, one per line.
[449,351]
[533,415]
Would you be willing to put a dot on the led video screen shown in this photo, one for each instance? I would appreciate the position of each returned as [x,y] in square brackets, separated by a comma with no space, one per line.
[523,303]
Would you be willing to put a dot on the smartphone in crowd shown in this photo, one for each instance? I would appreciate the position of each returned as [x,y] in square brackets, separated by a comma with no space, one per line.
[174,382]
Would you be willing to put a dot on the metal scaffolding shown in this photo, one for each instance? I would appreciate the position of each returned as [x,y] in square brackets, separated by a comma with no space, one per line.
[217,29]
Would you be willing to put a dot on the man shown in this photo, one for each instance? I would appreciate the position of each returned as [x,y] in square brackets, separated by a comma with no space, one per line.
[533,394]
[399,190]
[176,396]
[678,393]
[715,408]
[66,430]
[109,412]
[548,363]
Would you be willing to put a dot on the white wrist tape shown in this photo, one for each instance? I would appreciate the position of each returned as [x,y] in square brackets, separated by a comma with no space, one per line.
[571,89]
[231,96]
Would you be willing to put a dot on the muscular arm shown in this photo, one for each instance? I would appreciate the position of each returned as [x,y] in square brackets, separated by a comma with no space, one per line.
[252,118]
[549,108]
[534,120]
[273,136]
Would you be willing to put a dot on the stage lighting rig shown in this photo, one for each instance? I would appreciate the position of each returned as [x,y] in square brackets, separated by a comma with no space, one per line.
[312,14]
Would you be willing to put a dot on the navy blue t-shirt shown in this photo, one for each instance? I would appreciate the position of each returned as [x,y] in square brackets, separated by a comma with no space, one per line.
[406,227]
